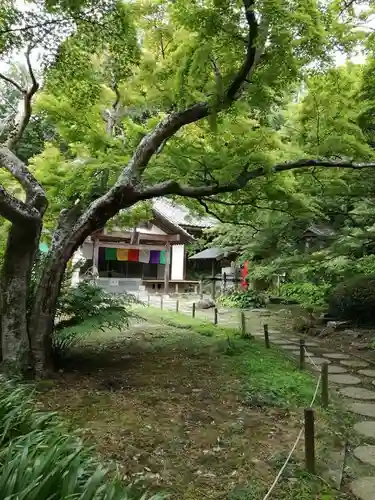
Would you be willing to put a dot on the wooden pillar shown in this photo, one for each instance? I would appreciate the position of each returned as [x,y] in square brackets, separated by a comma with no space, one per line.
[167,266]
[213,279]
[95,256]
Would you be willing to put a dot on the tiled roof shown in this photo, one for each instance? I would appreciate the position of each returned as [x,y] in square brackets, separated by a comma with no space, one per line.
[321,230]
[180,215]
[212,253]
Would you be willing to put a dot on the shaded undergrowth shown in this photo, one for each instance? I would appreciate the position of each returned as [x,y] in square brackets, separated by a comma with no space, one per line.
[194,409]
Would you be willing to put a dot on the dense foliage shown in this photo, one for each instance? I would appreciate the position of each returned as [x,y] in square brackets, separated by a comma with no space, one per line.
[242,299]
[40,459]
[308,294]
[354,300]
[315,228]
[86,308]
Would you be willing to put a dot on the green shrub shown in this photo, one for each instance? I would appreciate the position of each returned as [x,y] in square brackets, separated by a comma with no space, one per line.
[243,299]
[306,294]
[87,308]
[354,300]
[41,460]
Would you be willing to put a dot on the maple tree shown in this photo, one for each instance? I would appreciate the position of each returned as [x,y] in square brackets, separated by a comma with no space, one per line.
[145,99]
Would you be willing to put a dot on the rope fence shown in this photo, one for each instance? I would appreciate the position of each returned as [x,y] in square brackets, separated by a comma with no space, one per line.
[308,427]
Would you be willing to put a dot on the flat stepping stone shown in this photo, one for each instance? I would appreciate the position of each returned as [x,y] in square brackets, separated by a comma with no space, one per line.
[282,342]
[317,361]
[367,373]
[363,488]
[366,428]
[365,409]
[358,393]
[354,364]
[336,355]
[296,353]
[344,379]
[365,454]
[333,369]
[288,347]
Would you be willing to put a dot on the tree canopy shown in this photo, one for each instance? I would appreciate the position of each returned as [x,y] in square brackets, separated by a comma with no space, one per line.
[205,100]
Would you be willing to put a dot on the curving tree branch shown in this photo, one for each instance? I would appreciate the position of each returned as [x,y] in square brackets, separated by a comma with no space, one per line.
[15,210]
[28,95]
[175,188]
[12,82]
[224,221]
[35,194]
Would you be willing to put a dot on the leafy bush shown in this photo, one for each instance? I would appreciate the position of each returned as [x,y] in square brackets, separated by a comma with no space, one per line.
[86,308]
[306,294]
[243,299]
[40,460]
[354,300]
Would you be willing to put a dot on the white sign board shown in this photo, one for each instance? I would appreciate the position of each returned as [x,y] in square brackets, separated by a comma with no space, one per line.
[113,282]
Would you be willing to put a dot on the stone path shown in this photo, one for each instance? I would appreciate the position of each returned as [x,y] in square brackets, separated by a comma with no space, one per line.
[354,379]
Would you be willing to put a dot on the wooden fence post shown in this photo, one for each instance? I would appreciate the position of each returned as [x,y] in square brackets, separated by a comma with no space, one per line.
[266,336]
[243,324]
[193,310]
[177,305]
[301,354]
[161,301]
[213,279]
[310,440]
[215,316]
[148,300]
[324,382]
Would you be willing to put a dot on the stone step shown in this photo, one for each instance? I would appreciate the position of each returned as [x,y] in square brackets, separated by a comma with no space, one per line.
[354,363]
[365,454]
[344,379]
[366,428]
[336,355]
[365,409]
[358,393]
[364,488]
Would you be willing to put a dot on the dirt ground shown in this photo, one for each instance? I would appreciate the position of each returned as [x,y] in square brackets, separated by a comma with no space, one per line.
[169,409]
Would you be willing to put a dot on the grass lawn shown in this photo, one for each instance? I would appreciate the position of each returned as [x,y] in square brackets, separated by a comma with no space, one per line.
[193,410]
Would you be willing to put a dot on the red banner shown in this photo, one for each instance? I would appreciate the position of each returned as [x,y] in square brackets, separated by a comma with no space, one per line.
[244,273]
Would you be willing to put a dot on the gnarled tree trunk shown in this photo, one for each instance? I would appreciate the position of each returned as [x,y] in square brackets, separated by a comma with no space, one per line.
[19,256]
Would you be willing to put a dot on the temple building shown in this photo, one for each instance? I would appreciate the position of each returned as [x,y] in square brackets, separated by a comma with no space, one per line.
[151,257]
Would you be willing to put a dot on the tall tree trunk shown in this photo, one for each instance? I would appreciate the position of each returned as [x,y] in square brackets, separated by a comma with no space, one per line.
[19,256]
[42,319]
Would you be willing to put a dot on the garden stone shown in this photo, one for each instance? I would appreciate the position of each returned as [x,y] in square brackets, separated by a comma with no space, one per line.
[363,488]
[344,379]
[358,393]
[205,304]
[336,355]
[354,364]
[365,454]
[367,373]
[365,409]
[282,342]
[318,361]
[333,369]
[366,428]
[288,347]
[338,325]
